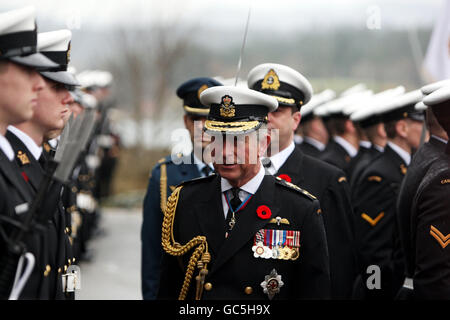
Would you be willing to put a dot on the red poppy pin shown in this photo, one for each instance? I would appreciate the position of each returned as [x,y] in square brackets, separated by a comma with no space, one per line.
[285,177]
[264,212]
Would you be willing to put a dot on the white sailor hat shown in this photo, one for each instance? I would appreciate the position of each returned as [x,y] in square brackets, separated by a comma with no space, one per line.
[285,84]
[402,107]
[84,99]
[420,106]
[440,97]
[429,88]
[18,41]
[236,110]
[335,108]
[354,89]
[316,101]
[367,115]
[94,79]
[55,45]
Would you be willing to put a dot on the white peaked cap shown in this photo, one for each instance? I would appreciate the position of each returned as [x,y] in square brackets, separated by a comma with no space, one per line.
[318,100]
[54,40]
[429,88]
[18,20]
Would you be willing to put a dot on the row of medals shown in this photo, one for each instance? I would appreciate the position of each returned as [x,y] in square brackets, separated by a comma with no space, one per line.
[276,252]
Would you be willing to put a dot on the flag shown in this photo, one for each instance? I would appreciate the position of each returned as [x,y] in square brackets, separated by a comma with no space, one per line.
[437,59]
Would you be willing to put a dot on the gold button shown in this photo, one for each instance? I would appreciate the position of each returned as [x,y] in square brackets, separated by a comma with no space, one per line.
[47,270]
[67,230]
[208,286]
[248,290]
[59,270]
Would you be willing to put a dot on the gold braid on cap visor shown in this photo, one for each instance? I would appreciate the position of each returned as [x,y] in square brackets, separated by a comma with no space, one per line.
[203,111]
[231,126]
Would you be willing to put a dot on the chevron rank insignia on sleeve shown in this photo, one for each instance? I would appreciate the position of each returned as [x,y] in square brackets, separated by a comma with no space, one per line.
[371,221]
[440,238]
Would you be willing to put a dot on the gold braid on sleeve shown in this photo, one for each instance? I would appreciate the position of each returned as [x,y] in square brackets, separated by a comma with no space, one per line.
[200,257]
[163,187]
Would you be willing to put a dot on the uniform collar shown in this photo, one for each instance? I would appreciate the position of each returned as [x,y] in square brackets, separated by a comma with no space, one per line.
[317,144]
[280,158]
[250,187]
[5,146]
[34,149]
[200,164]
[402,153]
[351,150]
[439,139]
[365,144]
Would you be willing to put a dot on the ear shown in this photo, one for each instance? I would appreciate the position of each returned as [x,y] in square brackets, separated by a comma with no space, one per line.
[349,126]
[401,128]
[297,117]
[381,131]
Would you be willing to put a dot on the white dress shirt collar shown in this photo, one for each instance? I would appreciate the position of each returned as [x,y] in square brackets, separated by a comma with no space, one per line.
[6,148]
[365,144]
[34,149]
[317,144]
[402,153]
[280,158]
[439,139]
[351,150]
[200,164]
[249,188]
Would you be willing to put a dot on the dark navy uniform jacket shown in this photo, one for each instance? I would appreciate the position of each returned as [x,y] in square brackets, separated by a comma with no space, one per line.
[376,224]
[58,255]
[330,186]
[164,177]
[430,225]
[234,272]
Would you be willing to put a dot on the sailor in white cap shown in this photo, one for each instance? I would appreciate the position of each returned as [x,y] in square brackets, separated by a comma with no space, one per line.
[368,123]
[344,142]
[232,214]
[375,197]
[315,134]
[27,139]
[430,218]
[324,181]
[20,85]
[428,154]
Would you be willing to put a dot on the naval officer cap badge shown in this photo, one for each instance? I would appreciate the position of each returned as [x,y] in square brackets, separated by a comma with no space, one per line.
[236,110]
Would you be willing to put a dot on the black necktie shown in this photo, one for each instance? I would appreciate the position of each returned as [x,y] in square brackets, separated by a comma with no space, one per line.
[235,202]
[206,170]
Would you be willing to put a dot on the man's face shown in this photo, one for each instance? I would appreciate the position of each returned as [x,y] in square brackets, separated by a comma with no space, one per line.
[239,158]
[286,122]
[76,109]
[195,124]
[52,108]
[413,132]
[19,92]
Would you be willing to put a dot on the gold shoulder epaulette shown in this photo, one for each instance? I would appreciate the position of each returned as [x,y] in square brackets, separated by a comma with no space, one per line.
[295,187]
[342,179]
[445,181]
[374,178]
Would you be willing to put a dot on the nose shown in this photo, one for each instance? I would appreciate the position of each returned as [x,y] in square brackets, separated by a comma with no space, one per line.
[38,81]
[68,99]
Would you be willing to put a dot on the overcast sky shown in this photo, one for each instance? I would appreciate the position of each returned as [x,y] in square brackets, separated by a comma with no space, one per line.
[231,14]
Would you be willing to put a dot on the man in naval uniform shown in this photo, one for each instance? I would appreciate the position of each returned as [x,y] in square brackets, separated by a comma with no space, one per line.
[376,196]
[430,218]
[20,83]
[423,159]
[327,183]
[27,139]
[255,236]
[169,172]
[315,134]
